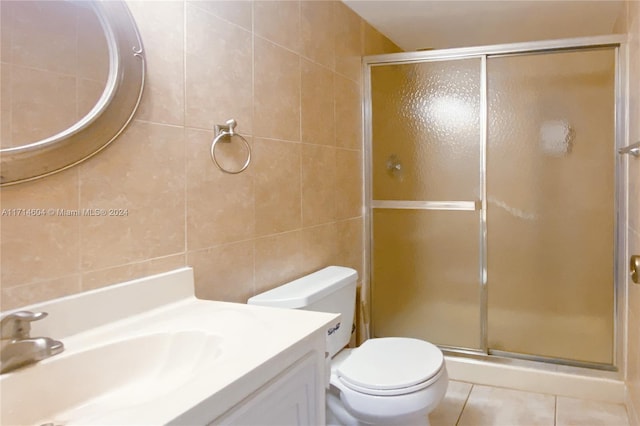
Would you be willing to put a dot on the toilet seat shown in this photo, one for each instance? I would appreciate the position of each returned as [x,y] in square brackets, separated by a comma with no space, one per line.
[391,366]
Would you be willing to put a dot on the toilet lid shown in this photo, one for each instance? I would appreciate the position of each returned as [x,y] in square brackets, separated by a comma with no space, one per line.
[391,363]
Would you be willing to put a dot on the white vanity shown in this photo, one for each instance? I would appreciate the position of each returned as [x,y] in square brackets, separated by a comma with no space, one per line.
[147,352]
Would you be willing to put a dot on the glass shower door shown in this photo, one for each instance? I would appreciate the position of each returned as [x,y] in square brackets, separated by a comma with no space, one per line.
[550,198]
[493,201]
[426,183]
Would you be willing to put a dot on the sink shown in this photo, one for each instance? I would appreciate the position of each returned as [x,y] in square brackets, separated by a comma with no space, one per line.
[148,352]
[107,383]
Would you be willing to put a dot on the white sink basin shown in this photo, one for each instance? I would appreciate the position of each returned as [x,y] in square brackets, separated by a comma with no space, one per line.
[148,352]
[107,383]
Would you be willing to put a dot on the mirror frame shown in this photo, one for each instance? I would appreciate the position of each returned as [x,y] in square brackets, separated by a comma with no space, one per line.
[106,120]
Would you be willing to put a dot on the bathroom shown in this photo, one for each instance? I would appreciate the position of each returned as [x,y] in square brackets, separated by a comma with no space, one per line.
[290,73]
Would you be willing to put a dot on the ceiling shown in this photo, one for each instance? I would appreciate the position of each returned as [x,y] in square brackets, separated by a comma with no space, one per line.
[427,24]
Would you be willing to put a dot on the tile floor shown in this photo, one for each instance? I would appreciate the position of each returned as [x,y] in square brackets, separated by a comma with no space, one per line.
[477,405]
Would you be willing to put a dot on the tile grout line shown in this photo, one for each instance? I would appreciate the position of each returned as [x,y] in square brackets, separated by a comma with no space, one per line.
[555,410]
[254,136]
[464,405]
[78,174]
[300,120]
[254,140]
[185,43]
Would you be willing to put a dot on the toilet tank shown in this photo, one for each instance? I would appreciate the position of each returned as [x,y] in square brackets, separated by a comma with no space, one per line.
[332,289]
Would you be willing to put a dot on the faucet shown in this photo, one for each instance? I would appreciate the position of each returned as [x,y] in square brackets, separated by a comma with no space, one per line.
[17,347]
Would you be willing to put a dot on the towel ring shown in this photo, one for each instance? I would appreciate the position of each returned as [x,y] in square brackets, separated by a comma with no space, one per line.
[229,130]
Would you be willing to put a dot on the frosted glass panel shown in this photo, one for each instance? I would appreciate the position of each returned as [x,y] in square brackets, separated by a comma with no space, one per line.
[550,216]
[426,131]
[425,280]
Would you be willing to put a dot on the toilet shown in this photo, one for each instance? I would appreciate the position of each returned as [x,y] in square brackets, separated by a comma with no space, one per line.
[384,381]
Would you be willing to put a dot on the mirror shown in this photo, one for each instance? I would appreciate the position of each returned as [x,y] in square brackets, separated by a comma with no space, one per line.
[72,74]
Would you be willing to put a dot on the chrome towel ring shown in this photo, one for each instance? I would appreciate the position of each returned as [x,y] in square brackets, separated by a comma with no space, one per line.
[223,131]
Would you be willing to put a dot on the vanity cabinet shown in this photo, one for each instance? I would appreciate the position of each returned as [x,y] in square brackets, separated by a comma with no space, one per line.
[285,389]
[290,398]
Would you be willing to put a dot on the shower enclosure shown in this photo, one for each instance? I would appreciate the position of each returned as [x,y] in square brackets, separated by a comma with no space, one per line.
[493,209]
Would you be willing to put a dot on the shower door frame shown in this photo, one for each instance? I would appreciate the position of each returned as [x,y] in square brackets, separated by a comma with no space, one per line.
[619,43]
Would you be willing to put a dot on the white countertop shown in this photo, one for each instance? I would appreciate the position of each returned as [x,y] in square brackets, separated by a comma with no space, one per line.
[249,342]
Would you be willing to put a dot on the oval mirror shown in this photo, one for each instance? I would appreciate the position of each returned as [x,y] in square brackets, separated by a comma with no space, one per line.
[71,79]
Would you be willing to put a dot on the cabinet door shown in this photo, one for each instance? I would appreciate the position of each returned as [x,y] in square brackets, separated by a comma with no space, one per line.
[288,399]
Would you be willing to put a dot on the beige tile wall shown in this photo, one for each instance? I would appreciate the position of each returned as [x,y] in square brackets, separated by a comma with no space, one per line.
[633,353]
[289,73]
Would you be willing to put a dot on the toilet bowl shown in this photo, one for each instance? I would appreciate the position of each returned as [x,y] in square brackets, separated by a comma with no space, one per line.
[385,381]
[390,381]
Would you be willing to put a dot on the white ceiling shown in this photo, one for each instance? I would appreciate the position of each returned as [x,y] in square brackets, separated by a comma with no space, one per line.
[421,24]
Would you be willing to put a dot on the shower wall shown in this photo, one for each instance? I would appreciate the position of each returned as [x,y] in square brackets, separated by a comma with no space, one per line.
[550,217]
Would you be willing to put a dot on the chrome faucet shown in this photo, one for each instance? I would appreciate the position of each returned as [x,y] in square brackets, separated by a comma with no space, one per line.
[18,348]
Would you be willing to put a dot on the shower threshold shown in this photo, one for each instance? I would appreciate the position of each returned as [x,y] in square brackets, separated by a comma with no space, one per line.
[539,375]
